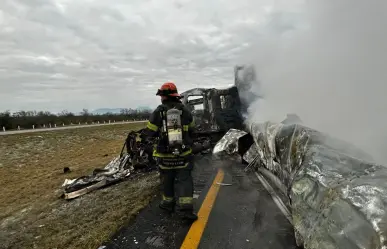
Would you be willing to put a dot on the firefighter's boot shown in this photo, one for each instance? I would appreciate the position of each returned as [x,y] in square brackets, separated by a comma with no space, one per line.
[185,209]
[167,204]
[190,216]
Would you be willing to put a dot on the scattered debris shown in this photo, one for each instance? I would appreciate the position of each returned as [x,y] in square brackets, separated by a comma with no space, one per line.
[223,184]
[135,157]
[155,241]
[66,170]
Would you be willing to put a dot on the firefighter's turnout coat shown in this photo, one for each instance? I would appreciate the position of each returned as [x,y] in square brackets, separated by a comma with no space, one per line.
[165,158]
[171,166]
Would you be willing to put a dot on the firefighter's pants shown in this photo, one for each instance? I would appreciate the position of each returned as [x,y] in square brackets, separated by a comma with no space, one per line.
[177,182]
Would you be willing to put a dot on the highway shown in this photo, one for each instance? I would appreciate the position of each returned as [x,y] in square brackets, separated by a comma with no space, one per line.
[235,212]
[2,133]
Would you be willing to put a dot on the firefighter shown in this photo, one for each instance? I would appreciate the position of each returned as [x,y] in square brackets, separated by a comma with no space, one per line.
[172,123]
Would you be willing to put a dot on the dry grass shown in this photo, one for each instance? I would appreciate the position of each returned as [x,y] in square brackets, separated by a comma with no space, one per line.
[31,172]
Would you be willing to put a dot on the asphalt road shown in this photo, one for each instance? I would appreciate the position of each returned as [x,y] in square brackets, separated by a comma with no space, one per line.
[2,133]
[243,215]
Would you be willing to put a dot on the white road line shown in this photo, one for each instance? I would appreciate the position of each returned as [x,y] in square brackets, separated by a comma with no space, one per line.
[64,128]
[277,200]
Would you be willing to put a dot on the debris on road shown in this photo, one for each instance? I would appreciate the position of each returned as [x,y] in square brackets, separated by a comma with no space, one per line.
[223,184]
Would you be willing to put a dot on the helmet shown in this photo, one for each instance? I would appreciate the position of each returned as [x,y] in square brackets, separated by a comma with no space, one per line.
[168,89]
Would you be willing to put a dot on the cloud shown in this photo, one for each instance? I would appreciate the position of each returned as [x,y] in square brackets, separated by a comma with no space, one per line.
[326,61]
[68,54]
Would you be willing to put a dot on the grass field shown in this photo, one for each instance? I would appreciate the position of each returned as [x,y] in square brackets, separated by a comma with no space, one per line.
[31,174]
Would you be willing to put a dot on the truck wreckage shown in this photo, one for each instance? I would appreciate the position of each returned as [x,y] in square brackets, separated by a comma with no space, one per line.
[334,194]
[220,113]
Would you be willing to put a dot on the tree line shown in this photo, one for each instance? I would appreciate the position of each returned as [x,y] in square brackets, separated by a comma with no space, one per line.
[39,119]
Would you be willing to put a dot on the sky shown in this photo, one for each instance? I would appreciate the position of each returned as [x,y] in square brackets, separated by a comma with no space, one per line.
[74,54]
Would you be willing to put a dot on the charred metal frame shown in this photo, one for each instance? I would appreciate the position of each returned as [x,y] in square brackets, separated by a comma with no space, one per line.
[221,109]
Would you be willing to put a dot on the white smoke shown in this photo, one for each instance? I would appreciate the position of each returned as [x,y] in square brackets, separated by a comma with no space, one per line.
[326,62]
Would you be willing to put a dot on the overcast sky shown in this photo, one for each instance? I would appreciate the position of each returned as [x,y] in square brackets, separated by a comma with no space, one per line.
[74,54]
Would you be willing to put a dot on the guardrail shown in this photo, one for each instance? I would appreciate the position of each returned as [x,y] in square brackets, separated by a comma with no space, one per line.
[80,124]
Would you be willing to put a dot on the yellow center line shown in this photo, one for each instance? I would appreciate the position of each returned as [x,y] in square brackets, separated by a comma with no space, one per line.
[192,239]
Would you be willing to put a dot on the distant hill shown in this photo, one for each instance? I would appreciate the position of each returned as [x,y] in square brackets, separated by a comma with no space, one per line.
[107,110]
[118,110]
[144,108]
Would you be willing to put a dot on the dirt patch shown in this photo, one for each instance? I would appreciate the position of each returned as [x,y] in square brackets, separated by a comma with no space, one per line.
[31,173]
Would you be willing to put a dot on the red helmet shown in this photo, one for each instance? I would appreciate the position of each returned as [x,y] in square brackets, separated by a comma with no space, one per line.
[168,89]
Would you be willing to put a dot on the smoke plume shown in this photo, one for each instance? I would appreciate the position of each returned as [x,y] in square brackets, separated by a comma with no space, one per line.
[326,61]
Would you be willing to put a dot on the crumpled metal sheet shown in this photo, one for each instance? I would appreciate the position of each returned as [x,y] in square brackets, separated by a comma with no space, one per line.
[113,172]
[229,142]
[121,167]
[251,153]
[338,195]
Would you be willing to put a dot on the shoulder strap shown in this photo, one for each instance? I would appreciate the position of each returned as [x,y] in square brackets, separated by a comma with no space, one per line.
[179,106]
[162,107]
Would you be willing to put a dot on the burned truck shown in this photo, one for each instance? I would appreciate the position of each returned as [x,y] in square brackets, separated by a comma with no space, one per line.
[215,111]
